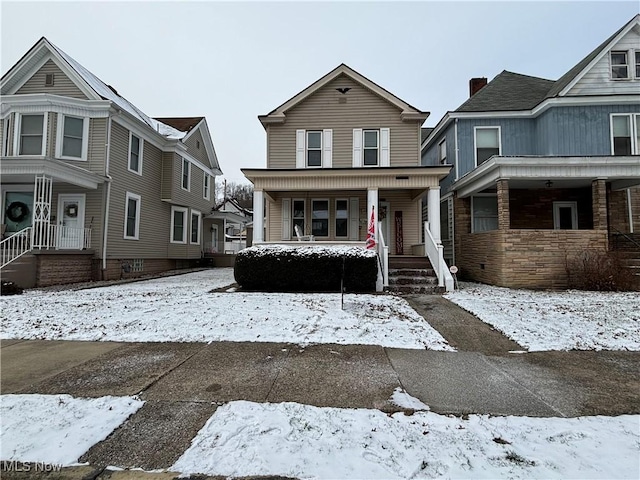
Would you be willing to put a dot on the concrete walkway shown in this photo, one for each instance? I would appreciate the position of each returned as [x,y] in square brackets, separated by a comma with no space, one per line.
[183,383]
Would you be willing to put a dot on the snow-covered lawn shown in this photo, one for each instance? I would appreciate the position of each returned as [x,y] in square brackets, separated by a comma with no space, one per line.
[180,308]
[58,429]
[290,439]
[557,320]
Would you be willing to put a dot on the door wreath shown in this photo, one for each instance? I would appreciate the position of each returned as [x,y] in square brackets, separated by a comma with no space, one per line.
[17,211]
[71,210]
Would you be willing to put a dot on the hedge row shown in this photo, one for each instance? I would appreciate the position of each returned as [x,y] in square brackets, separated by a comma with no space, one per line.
[279,268]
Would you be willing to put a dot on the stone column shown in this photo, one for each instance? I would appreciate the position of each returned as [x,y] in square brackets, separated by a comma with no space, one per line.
[599,204]
[258,216]
[504,220]
[433,212]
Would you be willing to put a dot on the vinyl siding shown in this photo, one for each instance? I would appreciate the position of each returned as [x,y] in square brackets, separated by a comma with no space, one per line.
[193,197]
[167,176]
[62,85]
[93,213]
[194,151]
[431,156]
[363,109]
[597,81]
[96,150]
[10,133]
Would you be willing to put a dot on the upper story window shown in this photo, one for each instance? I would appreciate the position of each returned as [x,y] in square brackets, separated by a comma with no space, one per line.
[206,186]
[135,154]
[32,135]
[186,174]
[619,65]
[637,55]
[72,137]
[314,149]
[442,151]
[625,134]
[370,147]
[487,143]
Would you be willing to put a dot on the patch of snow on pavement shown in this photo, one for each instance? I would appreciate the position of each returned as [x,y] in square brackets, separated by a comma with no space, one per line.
[556,320]
[402,399]
[245,438]
[181,309]
[58,429]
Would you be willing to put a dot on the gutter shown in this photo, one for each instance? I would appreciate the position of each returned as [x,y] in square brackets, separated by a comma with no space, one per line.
[105,226]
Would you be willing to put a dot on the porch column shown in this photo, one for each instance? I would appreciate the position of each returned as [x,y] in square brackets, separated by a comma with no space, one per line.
[599,204]
[372,202]
[504,220]
[41,223]
[258,216]
[433,212]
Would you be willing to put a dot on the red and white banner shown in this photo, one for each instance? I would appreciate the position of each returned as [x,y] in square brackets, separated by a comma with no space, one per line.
[371,232]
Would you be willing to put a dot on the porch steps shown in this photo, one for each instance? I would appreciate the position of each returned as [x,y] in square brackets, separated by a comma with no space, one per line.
[21,271]
[412,275]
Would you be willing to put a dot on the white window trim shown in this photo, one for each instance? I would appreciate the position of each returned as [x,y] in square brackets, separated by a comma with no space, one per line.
[306,148]
[442,144]
[18,128]
[140,153]
[185,213]
[611,65]
[206,186]
[188,164]
[634,63]
[328,217]
[60,137]
[634,122]
[473,216]
[304,218]
[486,127]
[364,131]
[199,215]
[138,199]
[335,217]
[556,214]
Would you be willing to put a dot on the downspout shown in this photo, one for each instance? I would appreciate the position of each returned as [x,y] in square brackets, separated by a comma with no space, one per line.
[630,210]
[455,159]
[105,226]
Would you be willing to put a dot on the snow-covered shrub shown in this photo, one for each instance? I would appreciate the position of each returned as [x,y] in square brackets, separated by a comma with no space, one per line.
[10,288]
[599,271]
[280,268]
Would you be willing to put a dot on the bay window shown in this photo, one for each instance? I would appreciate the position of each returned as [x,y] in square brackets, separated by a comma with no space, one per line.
[31,135]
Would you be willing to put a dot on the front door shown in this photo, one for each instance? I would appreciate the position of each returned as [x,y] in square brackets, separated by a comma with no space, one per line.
[71,221]
[214,238]
[384,210]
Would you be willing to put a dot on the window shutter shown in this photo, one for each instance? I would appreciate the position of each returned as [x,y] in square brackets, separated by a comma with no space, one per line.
[357,147]
[327,148]
[384,148]
[354,218]
[286,218]
[300,153]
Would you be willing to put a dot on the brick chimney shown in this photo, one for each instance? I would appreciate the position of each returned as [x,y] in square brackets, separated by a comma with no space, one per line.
[476,84]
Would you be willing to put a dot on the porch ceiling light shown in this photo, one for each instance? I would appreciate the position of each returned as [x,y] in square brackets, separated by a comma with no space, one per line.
[549,183]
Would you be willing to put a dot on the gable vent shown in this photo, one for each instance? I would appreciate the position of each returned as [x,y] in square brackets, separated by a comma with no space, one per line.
[343,90]
[48,80]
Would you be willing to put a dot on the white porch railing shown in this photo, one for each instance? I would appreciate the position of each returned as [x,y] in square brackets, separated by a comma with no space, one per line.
[56,237]
[435,251]
[15,246]
[383,253]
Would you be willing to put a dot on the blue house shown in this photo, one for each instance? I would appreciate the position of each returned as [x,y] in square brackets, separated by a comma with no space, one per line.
[542,170]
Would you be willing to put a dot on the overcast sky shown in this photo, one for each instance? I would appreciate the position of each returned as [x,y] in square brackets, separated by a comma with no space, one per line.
[234,61]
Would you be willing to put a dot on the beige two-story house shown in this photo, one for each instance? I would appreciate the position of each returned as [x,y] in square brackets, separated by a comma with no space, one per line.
[92,188]
[339,151]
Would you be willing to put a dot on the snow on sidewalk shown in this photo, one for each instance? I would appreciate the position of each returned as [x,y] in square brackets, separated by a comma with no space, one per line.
[58,429]
[245,438]
[556,320]
[181,309]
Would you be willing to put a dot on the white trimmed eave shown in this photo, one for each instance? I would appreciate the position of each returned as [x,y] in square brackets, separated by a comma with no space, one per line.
[394,178]
[22,167]
[620,170]
[46,102]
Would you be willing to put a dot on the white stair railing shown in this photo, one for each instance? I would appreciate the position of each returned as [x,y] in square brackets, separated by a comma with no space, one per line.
[15,246]
[383,253]
[63,237]
[435,251]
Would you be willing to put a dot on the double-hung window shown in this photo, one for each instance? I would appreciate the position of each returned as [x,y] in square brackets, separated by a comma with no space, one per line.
[342,217]
[484,210]
[314,148]
[370,147]
[625,134]
[178,225]
[186,175]
[206,186]
[298,215]
[637,59]
[487,143]
[195,227]
[320,218]
[619,65]
[442,151]
[72,134]
[132,217]
[135,154]
[31,134]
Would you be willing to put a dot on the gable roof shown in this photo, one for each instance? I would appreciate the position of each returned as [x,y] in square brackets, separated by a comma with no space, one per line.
[508,91]
[183,124]
[277,115]
[424,133]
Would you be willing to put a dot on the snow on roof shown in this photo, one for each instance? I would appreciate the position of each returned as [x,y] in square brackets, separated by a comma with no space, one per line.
[109,93]
[308,249]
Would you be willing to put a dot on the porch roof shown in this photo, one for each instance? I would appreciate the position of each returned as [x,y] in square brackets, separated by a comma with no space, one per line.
[25,169]
[229,217]
[535,171]
[308,179]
